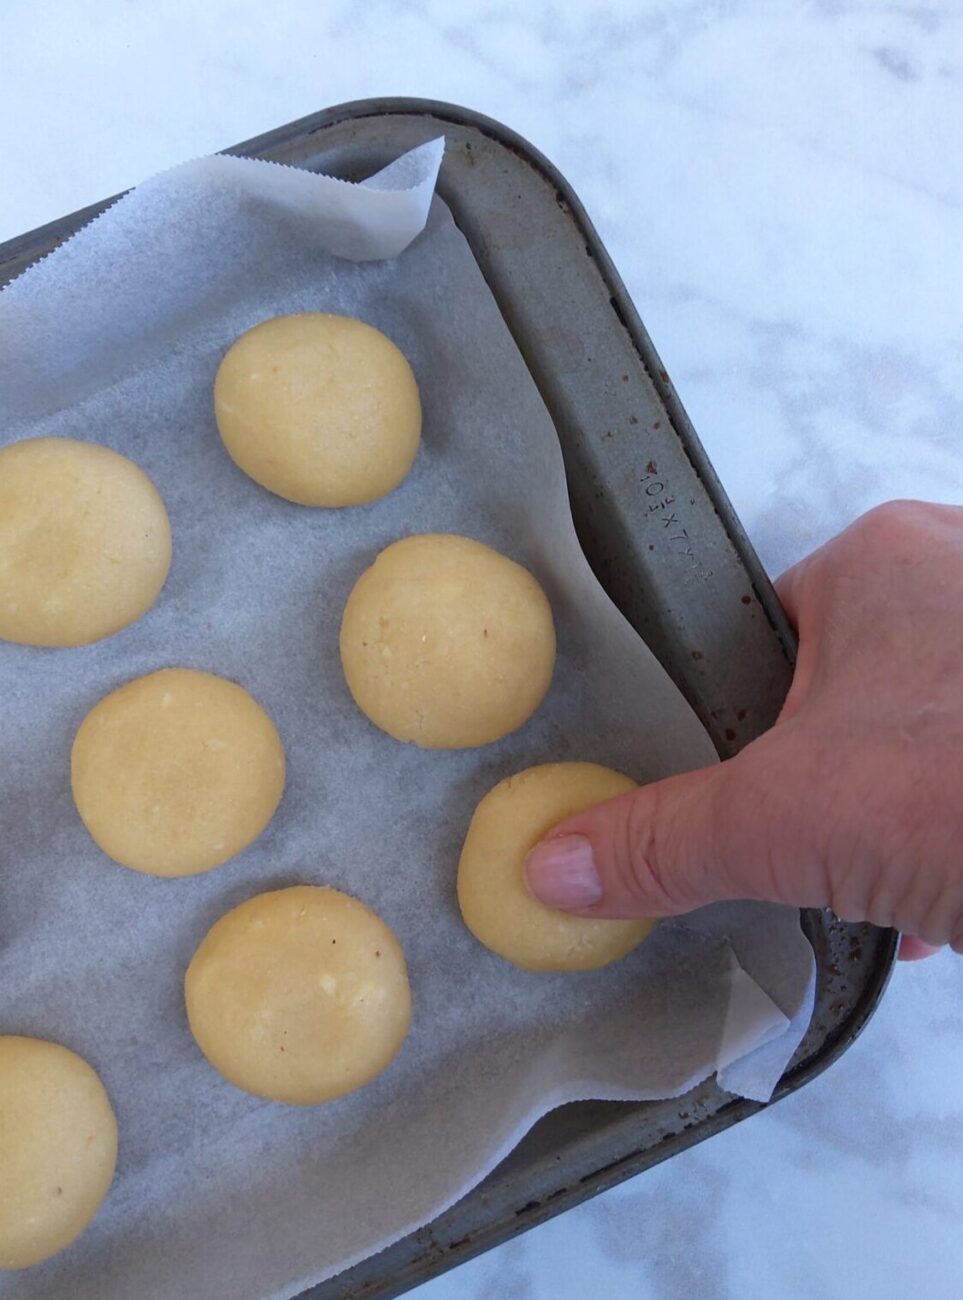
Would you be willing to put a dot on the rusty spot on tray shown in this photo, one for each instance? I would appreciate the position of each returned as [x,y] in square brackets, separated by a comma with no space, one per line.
[747,600]
[657,424]
[740,714]
[625,379]
[651,468]
[697,654]
[633,419]
[663,375]
[730,734]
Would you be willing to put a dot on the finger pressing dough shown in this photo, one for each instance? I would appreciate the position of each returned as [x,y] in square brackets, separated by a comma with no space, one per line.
[495,902]
[299,995]
[447,643]
[176,772]
[85,543]
[321,409]
[58,1149]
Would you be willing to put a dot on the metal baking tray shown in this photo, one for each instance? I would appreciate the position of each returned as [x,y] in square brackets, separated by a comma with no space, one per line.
[663,540]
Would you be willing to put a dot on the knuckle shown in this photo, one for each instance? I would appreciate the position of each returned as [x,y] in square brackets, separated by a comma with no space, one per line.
[642,857]
[892,850]
[865,834]
[894,523]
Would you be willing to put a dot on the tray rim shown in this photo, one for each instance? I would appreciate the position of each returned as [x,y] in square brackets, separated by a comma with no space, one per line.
[24,250]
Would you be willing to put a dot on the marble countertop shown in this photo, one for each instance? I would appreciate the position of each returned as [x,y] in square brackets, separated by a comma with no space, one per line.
[779,184]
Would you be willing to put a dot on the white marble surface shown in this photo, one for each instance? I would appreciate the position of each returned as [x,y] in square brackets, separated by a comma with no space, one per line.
[780,185]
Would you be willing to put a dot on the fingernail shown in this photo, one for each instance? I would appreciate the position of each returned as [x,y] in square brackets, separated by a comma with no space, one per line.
[562,872]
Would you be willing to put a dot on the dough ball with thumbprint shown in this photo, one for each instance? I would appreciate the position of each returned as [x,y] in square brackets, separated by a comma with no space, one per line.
[495,902]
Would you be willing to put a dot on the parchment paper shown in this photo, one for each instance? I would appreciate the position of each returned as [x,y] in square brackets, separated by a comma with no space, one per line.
[115,338]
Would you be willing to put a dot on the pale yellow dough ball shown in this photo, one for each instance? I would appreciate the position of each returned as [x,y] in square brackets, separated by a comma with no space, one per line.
[495,902]
[58,1149]
[321,409]
[299,995]
[85,543]
[176,772]
[447,643]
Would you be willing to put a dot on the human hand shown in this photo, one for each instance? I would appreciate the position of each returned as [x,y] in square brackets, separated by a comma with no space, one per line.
[854,799]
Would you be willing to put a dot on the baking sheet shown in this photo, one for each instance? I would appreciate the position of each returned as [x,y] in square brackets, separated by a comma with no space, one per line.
[116,338]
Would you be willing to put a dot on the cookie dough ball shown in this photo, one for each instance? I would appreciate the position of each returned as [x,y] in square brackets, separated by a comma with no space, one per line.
[494,899]
[58,1149]
[176,772]
[300,995]
[85,544]
[446,643]
[323,410]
